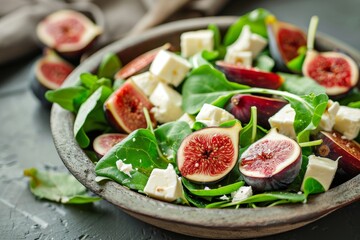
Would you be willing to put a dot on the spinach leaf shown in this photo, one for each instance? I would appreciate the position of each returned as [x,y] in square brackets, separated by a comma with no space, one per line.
[204,85]
[255,19]
[109,65]
[352,97]
[198,125]
[197,202]
[199,189]
[296,64]
[91,116]
[264,62]
[140,149]
[217,36]
[300,85]
[58,187]
[198,60]
[296,184]
[169,137]
[312,186]
[248,133]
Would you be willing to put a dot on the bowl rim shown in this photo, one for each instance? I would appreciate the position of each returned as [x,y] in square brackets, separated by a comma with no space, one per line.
[132,202]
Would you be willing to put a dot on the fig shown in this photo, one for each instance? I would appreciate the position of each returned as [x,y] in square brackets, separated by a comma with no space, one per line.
[240,106]
[140,63]
[250,76]
[125,108]
[271,163]
[104,142]
[207,155]
[335,146]
[69,32]
[50,72]
[335,71]
[285,40]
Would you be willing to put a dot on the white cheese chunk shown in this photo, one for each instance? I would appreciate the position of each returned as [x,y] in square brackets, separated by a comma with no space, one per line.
[328,118]
[241,194]
[321,169]
[196,41]
[258,43]
[167,103]
[213,116]
[164,184]
[124,167]
[188,119]
[146,82]
[170,67]
[283,120]
[238,57]
[347,122]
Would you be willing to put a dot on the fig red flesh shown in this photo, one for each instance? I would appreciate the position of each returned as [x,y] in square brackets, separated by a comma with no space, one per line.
[104,142]
[250,76]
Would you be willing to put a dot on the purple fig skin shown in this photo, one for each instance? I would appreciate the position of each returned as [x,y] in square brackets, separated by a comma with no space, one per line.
[271,163]
[240,106]
[335,146]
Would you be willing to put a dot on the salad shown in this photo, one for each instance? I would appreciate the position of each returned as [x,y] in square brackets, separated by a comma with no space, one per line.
[256,117]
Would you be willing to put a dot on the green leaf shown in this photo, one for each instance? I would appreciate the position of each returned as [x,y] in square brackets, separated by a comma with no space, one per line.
[300,85]
[264,62]
[296,64]
[140,149]
[217,35]
[312,186]
[198,189]
[350,97]
[296,184]
[210,55]
[255,19]
[248,133]
[109,65]
[57,187]
[169,137]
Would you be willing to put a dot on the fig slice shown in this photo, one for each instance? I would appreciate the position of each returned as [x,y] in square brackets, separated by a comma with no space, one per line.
[240,106]
[285,40]
[69,32]
[124,108]
[250,76]
[207,155]
[140,63]
[335,146]
[104,142]
[271,163]
[335,71]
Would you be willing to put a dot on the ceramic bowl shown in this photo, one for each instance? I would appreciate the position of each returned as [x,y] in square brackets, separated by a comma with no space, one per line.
[209,223]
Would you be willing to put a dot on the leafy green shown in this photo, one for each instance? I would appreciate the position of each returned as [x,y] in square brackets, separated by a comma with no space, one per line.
[198,60]
[199,189]
[296,64]
[248,133]
[312,186]
[300,85]
[255,19]
[58,187]
[264,62]
[140,149]
[169,137]
[109,65]
[296,184]
[217,36]
[350,98]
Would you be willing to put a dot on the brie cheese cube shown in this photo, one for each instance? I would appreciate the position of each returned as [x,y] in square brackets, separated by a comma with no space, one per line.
[241,194]
[188,119]
[213,116]
[164,184]
[321,169]
[240,58]
[167,103]
[283,120]
[196,41]
[146,82]
[248,41]
[170,67]
[124,167]
[347,122]
[328,118]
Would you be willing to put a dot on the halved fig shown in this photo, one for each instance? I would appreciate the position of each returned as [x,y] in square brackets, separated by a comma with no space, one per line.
[125,108]
[69,32]
[271,163]
[50,72]
[250,76]
[240,106]
[104,142]
[335,146]
[140,63]
[285,39]
[335,71]
[207,155]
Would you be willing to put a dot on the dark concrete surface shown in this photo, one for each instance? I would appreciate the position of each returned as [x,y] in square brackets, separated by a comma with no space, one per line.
[25,141]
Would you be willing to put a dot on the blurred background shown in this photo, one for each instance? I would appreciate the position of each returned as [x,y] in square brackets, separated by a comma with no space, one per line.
[25,137]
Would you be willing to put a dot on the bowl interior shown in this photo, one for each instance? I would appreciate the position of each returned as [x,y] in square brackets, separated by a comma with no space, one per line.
[211,223]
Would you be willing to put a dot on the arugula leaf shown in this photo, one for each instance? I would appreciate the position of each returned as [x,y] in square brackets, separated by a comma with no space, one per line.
[198,189]
[255,19]
[300,85]
[58,187]
[312,186]
[91,116]
[169,137]
[109,65]
[140,149]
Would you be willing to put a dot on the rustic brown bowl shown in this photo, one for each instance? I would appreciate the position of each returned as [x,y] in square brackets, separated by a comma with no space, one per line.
[209,223]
